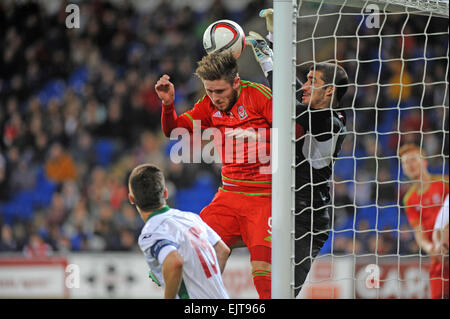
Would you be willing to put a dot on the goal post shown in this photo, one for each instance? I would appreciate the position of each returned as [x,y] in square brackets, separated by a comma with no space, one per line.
[283,145]
[396,54]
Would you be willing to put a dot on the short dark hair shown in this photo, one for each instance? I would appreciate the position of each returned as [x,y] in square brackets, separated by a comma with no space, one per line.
[147,184]
[218,66]
[340,80]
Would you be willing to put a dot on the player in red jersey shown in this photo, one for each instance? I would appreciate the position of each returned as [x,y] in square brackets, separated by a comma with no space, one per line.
[241,209]
[422,204]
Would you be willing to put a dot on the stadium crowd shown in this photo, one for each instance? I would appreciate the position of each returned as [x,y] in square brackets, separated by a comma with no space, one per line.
[78,111]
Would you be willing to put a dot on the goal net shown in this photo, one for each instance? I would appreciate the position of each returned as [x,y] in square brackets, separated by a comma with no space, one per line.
[396,56]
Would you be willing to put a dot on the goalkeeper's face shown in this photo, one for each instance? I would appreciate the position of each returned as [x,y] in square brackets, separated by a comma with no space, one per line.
[222,93]
[413,165]
[316,93]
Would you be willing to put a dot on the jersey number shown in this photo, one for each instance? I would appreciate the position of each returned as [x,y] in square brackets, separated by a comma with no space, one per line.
[200,246]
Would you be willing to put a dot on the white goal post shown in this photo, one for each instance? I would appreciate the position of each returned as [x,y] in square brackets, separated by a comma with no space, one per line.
[397,57]
[283,183]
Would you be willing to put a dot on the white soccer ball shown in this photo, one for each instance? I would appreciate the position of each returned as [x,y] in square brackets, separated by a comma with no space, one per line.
[224,35]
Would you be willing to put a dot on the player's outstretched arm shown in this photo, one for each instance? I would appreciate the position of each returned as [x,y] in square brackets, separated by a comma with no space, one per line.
[169,118]
[222,252]
[172,269]
[263,53]
[268,15]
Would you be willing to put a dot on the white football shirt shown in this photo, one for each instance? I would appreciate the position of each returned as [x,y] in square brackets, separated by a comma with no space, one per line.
[442,217]
[169,229]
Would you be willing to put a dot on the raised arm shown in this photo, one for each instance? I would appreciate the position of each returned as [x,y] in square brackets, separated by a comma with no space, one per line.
[169,118]
[165,90]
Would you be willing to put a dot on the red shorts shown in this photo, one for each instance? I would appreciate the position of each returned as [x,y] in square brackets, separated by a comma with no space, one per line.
[439,279]
[235,217]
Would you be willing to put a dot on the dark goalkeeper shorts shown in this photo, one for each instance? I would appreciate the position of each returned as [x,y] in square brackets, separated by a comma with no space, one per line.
[305,249]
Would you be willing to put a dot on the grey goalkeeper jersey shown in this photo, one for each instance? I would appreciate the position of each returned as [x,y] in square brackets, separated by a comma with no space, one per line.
[319,138]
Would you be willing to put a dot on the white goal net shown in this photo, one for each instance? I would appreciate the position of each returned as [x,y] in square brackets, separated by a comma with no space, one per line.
[397,59]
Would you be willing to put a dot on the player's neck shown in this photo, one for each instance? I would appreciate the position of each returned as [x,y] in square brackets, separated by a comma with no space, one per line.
[423,182]
[145,215]
[324,105]
[320,106]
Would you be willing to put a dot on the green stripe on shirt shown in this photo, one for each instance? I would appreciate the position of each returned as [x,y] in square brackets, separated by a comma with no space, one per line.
[264,90]
[244,181]
[248,194]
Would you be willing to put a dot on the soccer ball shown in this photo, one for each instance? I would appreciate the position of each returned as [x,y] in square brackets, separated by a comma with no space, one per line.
[224,35]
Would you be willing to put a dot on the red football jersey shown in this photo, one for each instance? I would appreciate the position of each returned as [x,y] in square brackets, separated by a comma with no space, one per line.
[422,209]
[245,162]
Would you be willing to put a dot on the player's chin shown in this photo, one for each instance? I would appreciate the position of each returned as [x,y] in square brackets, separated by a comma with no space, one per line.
[305,99]
[414,176]
[221,106]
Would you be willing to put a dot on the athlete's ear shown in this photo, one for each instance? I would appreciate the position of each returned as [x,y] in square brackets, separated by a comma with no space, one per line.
[236,82]
[131,198]
[424,162]
[166,193]
[330,90]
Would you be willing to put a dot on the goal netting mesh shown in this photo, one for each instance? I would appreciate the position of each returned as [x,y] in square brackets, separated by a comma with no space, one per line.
[397,59]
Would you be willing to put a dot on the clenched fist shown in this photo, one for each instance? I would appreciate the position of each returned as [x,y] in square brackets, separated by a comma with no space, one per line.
[165,90]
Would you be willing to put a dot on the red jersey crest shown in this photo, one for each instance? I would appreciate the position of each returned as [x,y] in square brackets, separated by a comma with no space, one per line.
[241,112]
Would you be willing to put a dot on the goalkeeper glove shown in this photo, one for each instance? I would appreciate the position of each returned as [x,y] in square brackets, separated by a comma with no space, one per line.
[268,14]
[263,53]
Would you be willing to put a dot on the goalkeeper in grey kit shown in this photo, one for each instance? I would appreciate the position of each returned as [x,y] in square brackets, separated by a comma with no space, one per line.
[320,131]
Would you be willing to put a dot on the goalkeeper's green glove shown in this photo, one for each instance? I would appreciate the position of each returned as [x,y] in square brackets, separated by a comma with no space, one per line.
[268,14]
[263,53]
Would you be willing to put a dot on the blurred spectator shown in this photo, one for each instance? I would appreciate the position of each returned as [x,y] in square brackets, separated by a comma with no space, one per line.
[41,145]
[4,179]
[382,244]
[56,213]
[407,242]
[114,126]
[14,130]
[400,75]
[7,241]
[363,234]
[183,176]
[37,247]
[148,96]
[385,190]
[149,149]
[106,228]
[341,244]
[127,240]
[60,166]
[343,205]
[71,195]
[128,219]
[23,177]
[84,154]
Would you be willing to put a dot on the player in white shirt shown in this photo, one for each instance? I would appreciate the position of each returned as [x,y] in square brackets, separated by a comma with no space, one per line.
[186,257]
[440,233]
